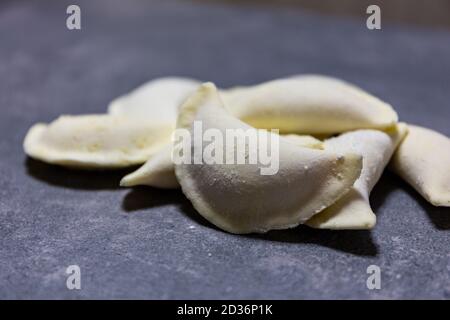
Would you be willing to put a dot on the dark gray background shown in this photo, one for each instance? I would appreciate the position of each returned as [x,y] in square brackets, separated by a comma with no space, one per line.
[149,243]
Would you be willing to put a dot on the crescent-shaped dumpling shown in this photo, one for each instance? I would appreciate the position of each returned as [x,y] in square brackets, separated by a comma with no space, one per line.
[423,160]
[309,104]
[96,141]
[236,197]
[157,99]
[353,210]
[159,170]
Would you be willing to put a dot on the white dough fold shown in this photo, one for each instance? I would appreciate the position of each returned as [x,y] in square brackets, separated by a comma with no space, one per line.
[238,199]
[96,141]
[308,104]
[157,100]
[158,172]
[353,210]
[423,160]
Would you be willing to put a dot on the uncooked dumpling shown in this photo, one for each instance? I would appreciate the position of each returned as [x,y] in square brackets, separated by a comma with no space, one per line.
[236,197]
[423,160]
[96,141]
[308,104]
[353,210]
[157,100]
[159,170]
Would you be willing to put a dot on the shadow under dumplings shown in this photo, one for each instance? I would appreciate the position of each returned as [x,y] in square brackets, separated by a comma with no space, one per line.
[73,178]
[387,184]
[146,197]
[143,197]
[439,216]
[357,242]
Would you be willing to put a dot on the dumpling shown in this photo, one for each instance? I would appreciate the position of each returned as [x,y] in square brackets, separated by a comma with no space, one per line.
[159,170]
[237,197]
[309,104]
[353,210]
[423,160]
[96,141]
[138,125]
[157,100]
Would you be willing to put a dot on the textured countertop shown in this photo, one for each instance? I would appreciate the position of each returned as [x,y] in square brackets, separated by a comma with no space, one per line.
[149,243]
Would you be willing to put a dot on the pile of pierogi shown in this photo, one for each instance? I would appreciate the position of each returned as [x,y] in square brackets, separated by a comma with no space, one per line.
[334,142]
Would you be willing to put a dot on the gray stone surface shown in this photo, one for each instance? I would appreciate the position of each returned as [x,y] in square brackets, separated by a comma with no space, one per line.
[148,243]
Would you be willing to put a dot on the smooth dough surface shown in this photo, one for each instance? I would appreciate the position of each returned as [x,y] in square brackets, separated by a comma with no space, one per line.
[237,198]
[423,160]
[96,141]
[157,100]
[309,104]
[158,172]
[353,210]
[303,141]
